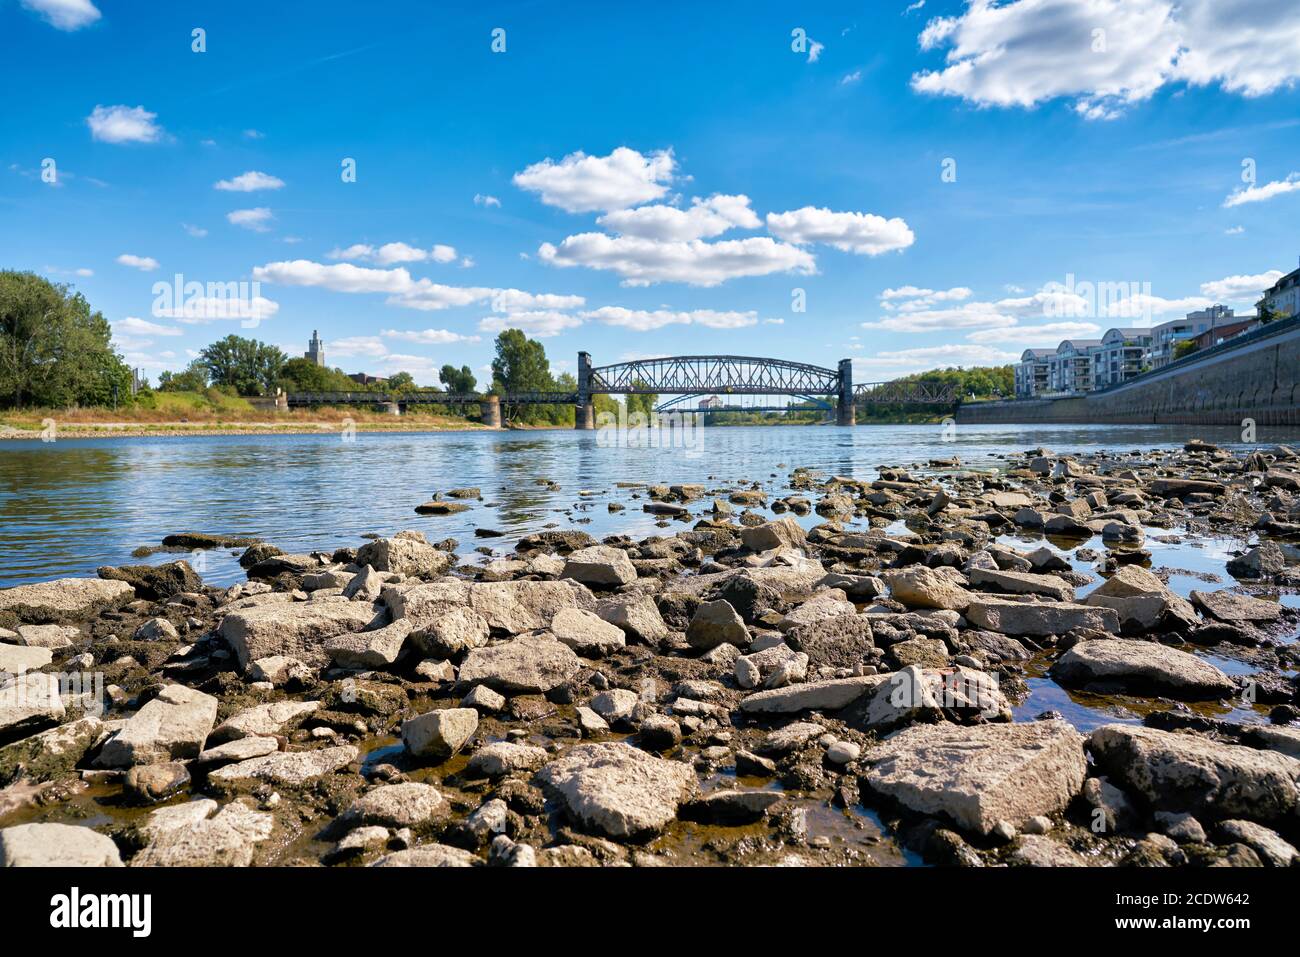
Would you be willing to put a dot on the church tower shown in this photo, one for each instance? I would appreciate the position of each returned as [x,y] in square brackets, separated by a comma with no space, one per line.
[316,349]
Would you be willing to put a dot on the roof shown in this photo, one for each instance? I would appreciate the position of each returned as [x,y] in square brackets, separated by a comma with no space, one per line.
[1077,344]
[1035,354]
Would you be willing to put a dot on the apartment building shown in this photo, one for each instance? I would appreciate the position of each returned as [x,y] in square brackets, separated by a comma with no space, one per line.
[1167,335]
[1123,354]
[1283,297]
[1032,372]
[1069,369]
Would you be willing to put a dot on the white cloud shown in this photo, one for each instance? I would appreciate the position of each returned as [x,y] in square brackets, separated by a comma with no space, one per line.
[644,261]
[392,253]
[350,347]
[643,320]
[1141,305]
[142,263]
[402,290]
[516,300]
[1240,288]
[891,365]
[134,326]
[814,50]
[915,314]
[913,7]
[705,218]
[850,78]
[254,135]
[249,182]
[1234,230]
[428,337]
[198,232]
[542,323]
[580,183]
[918,298]
[774,322]
[862,233]
[123,124]
[482,199]
[257,219]
[200,310]
[1047,335]
[65,14]
[1259,194]
[1110,54]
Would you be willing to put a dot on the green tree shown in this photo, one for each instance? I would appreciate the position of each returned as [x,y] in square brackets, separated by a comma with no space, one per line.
[1185,348]
[459,381]
[641,402]
[54,351]
[193,379]
[245,365]
[401,380]
[521,366]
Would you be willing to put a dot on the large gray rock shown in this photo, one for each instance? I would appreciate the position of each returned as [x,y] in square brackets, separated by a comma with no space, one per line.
[822,606]
[1187,772]
[261,721]
[922,587]
[502,757]
[618,790]
[56,845]
[428,855]
[1038,618]
[638,617]
[515,607]
[226,839]
[1142,601]
[782,533]
[1233,608]
[452,633]
[171,727]
[64,600]
[716,623]
[1141,666]
[439,734]
[1022,583]
[407,556]
[529,664]
[15,659]
[288,768]
[600,565]
[299,630]
[914,694]
[829,695]
[586,632]
[49,754]
[379,648]
[29,703]
[977,777]
[409,804]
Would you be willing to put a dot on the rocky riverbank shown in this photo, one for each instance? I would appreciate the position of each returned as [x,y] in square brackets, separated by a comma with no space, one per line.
[738,689]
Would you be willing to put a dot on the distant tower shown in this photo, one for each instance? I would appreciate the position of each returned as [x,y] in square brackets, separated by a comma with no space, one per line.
[316,349]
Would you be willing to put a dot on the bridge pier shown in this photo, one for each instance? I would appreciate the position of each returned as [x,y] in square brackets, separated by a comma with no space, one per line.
[489,411]
[845,412]
[584,412]
[392,408]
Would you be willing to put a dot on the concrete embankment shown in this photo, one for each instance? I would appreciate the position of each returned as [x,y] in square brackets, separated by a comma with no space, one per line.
[1258,378]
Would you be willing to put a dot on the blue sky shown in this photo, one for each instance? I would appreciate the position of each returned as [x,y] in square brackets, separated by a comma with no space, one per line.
[553,186]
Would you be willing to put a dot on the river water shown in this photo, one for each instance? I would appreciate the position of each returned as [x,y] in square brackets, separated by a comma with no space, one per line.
[69,506]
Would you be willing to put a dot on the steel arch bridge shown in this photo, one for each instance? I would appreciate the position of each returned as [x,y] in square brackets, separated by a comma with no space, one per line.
[690,379]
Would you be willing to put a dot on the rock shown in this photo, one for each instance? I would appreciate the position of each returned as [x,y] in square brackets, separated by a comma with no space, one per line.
[586,632]
[56,845]
[859,588]
[299,630]
[365,585]
[773,667]
[783,533]
[28,702]
[1037,851]
[369,649]
[263,720]
[226,839]
[407,556]
[437,507]
[504,757]
[484,699]
[927,652]
[409,804]
[914,694]
[660,732]
[1111,807]
[1262,561]
[1141,666]
[843,752]
[47,636]
[716,623]
[1039,618]
[241,749]
[1181,827]
[845,641]
[50,754]
[1268,844]
[287,768]
[638,618]
[515,607]
[1230,607]
[1023,583]
[822,606]
[157,629]
[528,664]
[452,633]
[732,807]
[64,600]
[590,722]
[600,565]
[1175,488]
[155,582]
[922,587]
[15,659]
[829,695]
[173,726]
[618,790]
[429,855]
[615,704]
[279,670]
[439,734]
[1188,772]
[979,776]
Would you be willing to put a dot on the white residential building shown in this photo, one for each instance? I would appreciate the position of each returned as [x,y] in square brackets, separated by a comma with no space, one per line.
[1167,335]
[1283,297]
[1070,369]
[1032,372]
[1122,355]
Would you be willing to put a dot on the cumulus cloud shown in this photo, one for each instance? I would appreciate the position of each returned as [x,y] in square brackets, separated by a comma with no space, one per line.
[65,14]
[135,326]
[249,182]
[123,124]
[1106,55]
[516,300]
[919,298]
[1240,288]
[580,183]
[644,261]
[142,263]
[198,232]
[428,337]
[862,233]
[539,323]
[915,312]
[1043,336]
[482,199]
[891,365]
[257,219]
[391,253]
[704,219]
[1259,194]
[647,320]
[199,310]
